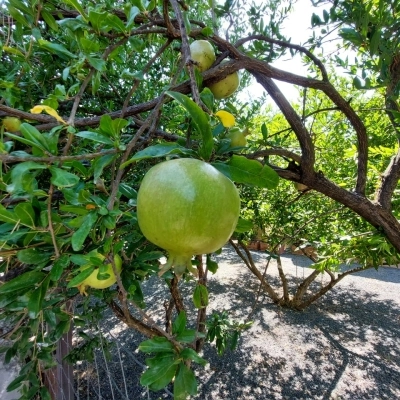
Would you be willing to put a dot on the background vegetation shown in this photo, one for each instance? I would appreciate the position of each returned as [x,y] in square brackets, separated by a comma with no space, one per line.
[107,89]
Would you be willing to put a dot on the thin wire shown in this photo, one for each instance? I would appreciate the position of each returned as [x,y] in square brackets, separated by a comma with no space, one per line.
[122,370]
[105,361]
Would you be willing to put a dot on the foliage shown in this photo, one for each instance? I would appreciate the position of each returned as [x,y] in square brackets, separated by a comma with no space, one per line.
[106,90]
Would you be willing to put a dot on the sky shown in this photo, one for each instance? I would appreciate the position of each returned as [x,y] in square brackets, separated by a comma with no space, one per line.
[298,27]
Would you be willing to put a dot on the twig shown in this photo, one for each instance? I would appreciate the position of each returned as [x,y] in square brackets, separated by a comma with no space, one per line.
[136,81]
[52,159]
[51,230]
[186,52]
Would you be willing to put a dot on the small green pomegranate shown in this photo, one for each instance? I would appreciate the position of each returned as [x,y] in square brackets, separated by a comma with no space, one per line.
[226,87]
[94,282]
[203,53]
[187,207]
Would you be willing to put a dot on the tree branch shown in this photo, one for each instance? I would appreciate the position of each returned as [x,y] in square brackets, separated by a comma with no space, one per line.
[275,152]
[52,159]
[306,145]
[288,45]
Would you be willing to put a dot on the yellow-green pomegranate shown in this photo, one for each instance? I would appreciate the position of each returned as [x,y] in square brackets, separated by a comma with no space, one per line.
[226,87]
[11,124]
[237,137]
[187,207]
[203,53]
[93,281]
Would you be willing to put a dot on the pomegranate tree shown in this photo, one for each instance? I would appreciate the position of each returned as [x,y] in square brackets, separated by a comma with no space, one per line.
[187,207]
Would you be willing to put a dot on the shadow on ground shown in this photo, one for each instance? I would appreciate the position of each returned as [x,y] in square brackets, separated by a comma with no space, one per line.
[345,346]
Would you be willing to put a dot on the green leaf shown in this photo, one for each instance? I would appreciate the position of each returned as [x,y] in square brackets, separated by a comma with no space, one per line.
[179,323]
[49,19]
[200,121]
[357,82]
[36,299]
[78,238]
[149,256]
[96,137]
[207,97]
[32,256]
[130,18]
[31,133]
[186,336]
[17,382]
[212,266]
[100,163]
[264,131]
[190,354]
[185,383]
[156,345]
[161,359]
[351,35]
[44,394]
[25,214]
[55,48]
[62,178]
[158,150]
[58,267]
[75,4]
[8,216]
[23,180]
[251,172]
[207,31]
[24,281]
[17,16]
[115,23]
[97,63]
[96,82]
[78,279]
[25,141]
[157,378]
[112,127]
[138,4]
[62,328]
[244,225]
[200,296]
[127,191]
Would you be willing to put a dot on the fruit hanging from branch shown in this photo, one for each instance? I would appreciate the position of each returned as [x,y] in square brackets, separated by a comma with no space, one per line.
[187,207]
[225,87]
[93,280]
[11,124]
[237,137]
[202,52]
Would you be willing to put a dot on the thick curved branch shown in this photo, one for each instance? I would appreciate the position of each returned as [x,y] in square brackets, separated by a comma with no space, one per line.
[275,152]
[361,132]
[389,181]
[391,176]
[288,45]
[13,112]
[307,147]
[264,71]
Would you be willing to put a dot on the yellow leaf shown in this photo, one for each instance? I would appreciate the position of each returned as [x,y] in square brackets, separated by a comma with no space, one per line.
[227,119]
[48,110]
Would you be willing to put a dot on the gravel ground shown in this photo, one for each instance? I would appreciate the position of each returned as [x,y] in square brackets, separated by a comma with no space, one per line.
[346,346]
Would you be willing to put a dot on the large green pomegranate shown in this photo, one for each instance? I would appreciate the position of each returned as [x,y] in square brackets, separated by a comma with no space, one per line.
[187,207]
